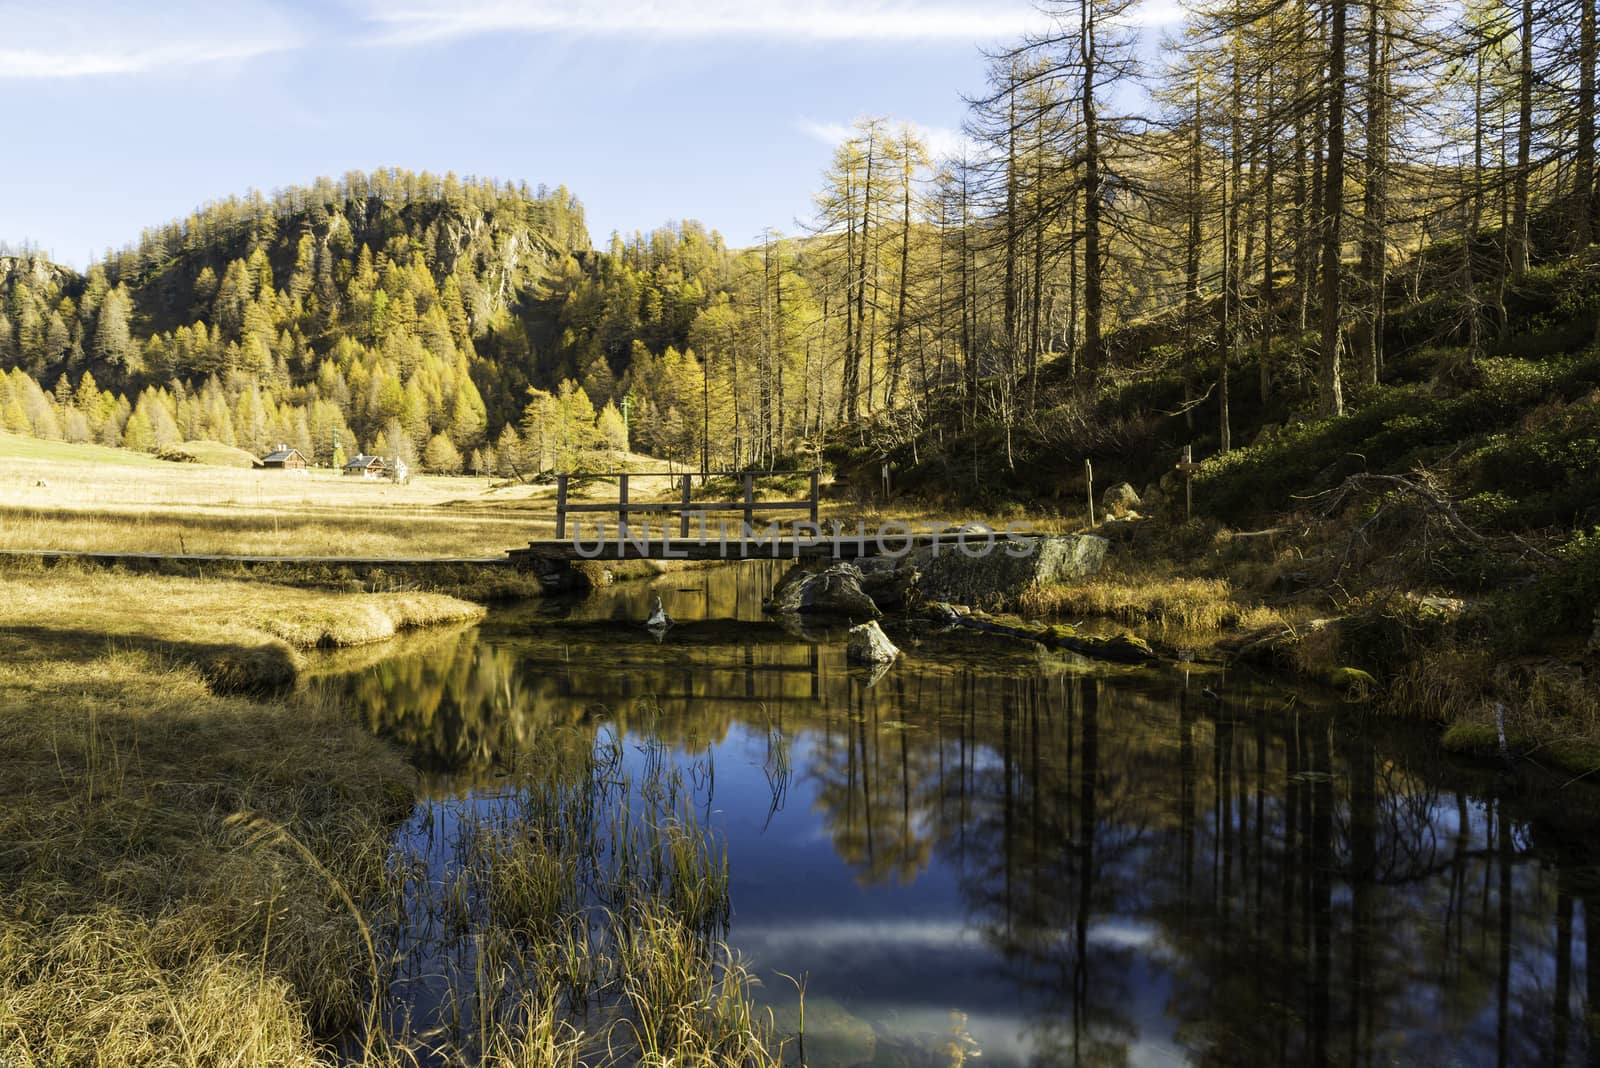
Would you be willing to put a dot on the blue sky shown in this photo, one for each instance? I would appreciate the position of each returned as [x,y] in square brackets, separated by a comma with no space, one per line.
[123,115]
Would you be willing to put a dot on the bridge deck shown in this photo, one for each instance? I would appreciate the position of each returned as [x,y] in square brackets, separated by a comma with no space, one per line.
[788,547]
[550,551]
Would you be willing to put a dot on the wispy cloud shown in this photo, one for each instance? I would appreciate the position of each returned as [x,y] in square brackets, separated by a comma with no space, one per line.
[942,142]
[815,20]
[120,39]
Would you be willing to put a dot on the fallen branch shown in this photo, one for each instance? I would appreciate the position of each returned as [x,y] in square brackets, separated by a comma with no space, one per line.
[1420,489]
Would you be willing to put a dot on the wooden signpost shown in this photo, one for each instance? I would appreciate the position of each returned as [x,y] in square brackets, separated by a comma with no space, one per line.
[1188,466]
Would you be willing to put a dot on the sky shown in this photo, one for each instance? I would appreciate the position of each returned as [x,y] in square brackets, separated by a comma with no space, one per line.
[125,115]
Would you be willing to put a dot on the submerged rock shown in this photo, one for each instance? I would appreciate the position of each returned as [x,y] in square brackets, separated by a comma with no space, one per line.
[870,645]
[835,590]
[998,577]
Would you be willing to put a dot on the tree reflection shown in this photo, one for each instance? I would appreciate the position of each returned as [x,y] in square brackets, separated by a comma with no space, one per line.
[1238,881]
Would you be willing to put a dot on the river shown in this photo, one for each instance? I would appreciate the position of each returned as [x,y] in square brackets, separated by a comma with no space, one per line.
[1000,850]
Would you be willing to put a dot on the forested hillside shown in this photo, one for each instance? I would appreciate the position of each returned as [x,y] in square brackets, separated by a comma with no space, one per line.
[1306,197]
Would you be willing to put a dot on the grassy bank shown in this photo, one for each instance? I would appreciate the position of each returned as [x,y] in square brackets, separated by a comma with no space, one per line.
[237,635]
[140,923]
[197,871]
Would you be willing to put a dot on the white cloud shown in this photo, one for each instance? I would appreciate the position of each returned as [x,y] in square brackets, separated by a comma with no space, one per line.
[942,141]
[1154,14]
[131,39]
[817,20]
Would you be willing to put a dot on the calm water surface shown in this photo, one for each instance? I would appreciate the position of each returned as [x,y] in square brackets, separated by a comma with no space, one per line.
[1042,859]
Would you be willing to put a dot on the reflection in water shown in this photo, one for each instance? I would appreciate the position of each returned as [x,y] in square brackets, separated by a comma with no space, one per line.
[1056,862]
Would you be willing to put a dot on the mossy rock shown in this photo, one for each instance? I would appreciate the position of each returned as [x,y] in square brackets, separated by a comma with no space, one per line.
[1356,685]
[1464,737]
[1124,648]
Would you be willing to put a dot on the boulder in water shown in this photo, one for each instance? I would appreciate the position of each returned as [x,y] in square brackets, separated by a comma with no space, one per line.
[870,645]
[836,590]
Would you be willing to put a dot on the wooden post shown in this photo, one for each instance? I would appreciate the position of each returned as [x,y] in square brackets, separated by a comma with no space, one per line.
[622,507]
[749,501]
[561,507]
[1088,478]
[1188,482]
[816,496]
[683,516]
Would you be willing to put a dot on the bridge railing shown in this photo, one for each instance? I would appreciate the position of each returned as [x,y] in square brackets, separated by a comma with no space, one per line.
[685,507]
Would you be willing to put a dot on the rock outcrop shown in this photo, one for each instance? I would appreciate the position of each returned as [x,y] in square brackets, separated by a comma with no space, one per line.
[870,645]
[998,577]
[887,580]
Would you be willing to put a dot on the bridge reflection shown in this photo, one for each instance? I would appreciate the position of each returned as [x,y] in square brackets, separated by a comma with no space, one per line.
[1093,866]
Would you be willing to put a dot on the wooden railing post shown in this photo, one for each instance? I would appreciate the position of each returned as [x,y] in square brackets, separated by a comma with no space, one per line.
[622,507]
[749,501]
[561,507]
[683,516]
[1088,478]
[815,497]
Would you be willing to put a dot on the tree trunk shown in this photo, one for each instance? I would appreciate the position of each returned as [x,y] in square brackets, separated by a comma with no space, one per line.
[905,262]
[1011,222]
[1191,265]
[1519,209]
[1092,289]
[1373,208]
[1587,223]
[1332,216]
[1267,313]
[861,277]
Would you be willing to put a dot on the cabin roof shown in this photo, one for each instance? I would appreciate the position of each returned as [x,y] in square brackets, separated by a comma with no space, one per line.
[363,460]
[280,455]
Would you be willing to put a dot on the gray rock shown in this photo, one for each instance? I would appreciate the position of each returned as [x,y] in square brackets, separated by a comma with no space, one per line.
[887,581]
[1119,501]
[1124,530]
[1437,607]
[870,645]
[999,578]
[835,590]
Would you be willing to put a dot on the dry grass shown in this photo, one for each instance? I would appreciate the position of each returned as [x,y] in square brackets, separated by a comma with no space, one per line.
[1173,606]
[1549,710]
[95,499]
[240,635]
[191,878]
[139,927]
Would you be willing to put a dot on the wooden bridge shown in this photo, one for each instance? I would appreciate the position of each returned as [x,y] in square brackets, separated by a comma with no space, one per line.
[695,538]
